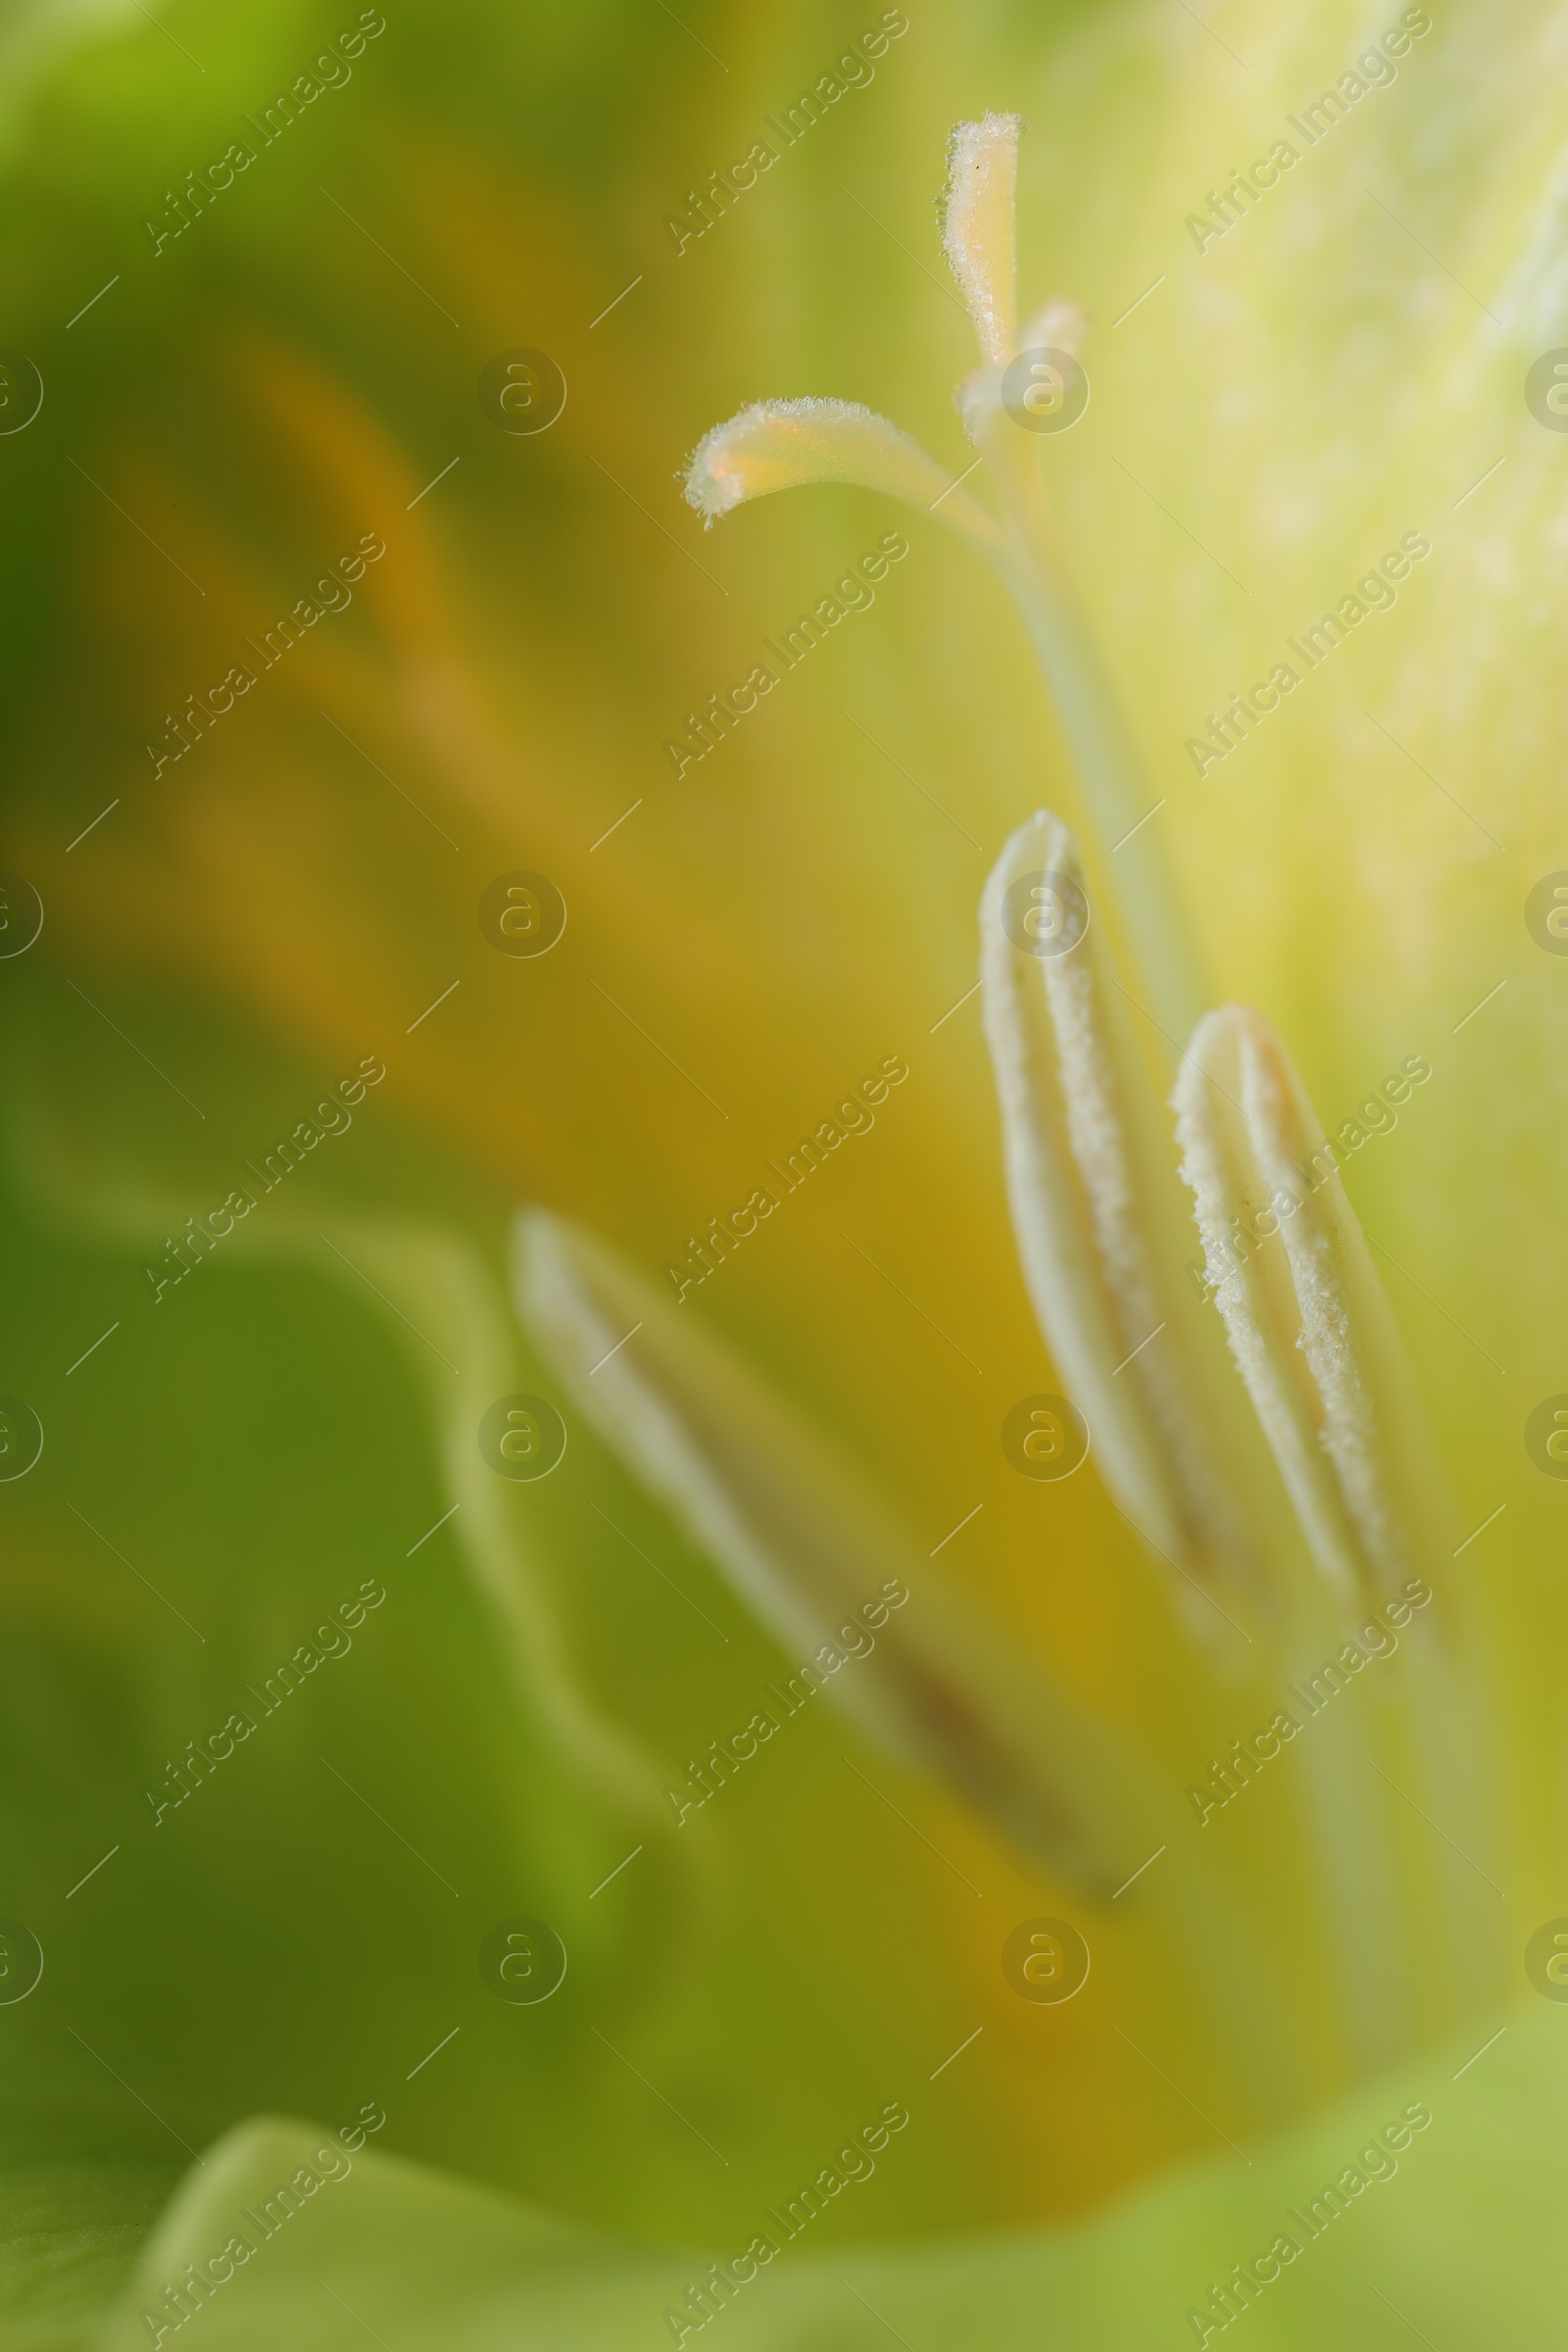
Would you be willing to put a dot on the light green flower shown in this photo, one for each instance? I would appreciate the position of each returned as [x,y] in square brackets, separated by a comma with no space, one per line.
[1259,1708]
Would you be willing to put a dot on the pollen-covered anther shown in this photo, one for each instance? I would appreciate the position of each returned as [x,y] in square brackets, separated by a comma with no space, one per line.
[1095,1205]
[785,444]
[977,227]
[804,1543]
[1302,1303]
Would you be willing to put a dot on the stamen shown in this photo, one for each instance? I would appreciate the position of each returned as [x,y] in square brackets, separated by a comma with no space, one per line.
[944,1689]
[1097,1208]
[977,229]
[1101,1230]
[784,444]
[979,237]
[1302,1303]
[780,444]
[1062,326]
[805,1545]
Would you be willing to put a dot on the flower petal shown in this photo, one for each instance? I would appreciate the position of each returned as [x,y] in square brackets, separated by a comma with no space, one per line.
[429,2262]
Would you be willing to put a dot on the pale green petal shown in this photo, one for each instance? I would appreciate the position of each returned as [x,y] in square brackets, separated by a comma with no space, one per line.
[425,2262]
[72,2232]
